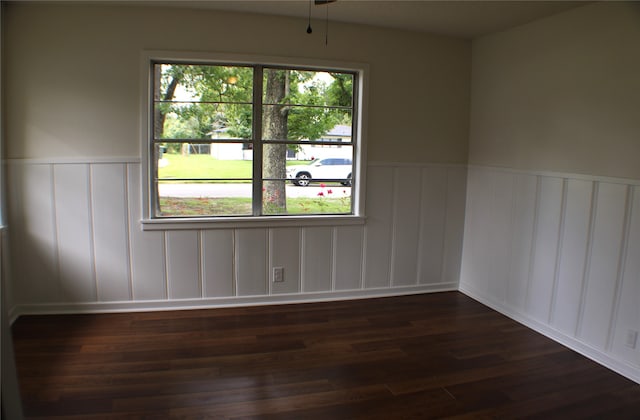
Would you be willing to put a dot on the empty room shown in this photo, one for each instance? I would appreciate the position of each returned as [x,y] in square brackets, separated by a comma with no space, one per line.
[325,209]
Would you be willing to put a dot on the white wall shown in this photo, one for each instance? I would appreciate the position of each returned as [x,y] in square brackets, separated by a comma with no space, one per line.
[73,140]
[10,404]
[78,245]
[560,94]
[556,249]
[550,239]
[560,253]
[73,76]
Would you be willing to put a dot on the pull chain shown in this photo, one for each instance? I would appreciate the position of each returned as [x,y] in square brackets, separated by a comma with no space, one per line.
[326,27]
[309,30]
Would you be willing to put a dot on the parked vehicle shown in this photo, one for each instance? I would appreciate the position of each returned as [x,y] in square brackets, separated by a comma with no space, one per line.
[321,170]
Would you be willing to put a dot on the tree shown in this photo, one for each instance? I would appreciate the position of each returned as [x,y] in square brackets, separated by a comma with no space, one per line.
[340,92]
[213,98]
[275,126]
[165,93]
[310,121]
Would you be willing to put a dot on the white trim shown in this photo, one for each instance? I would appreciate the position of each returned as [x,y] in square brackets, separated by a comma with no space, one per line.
[569,175]
[618,366]
[222,302]
[586,269]
[561,236]
[13,313]
[622,263]
[92,232]
[249,59]
[201,258]
[74,160]
[394,227]
[127,228]
[359,144]
[334,253]
[416,164]
[55,230]
[362,259]
[249,222]
[445,238]
[165,266]
[145,125]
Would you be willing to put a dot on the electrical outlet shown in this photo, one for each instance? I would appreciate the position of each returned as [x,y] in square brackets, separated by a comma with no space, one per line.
[278,274]
[632,338]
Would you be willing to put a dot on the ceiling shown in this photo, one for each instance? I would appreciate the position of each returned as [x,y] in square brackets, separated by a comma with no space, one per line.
[464,19]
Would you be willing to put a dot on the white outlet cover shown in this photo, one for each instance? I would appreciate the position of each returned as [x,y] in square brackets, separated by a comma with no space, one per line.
[278,274]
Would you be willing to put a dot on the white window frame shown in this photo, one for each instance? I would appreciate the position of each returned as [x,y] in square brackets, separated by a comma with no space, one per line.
[149,222]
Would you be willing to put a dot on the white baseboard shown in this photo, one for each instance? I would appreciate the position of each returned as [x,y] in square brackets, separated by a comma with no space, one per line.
[618,366]
[222,302]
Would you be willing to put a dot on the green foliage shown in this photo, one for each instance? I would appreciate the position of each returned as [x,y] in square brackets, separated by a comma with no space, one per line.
[176,127]
[204,166]
[212,98]
[217,99]
[340,92]
[173,206]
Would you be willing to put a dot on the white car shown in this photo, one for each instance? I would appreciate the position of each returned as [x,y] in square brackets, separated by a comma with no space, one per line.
[321,170]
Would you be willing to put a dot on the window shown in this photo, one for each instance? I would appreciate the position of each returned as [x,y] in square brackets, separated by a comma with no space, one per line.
[240,140]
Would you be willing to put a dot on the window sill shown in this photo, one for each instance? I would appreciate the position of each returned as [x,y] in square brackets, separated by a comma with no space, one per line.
[249,222]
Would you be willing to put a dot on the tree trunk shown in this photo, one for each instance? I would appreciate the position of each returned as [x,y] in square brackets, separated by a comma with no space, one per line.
[159,114]
[274,127]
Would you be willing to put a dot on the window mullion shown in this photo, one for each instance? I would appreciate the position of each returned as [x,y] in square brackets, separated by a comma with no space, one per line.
[257,140]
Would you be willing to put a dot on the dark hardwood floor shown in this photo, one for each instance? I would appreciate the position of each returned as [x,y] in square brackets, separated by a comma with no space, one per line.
[411,357]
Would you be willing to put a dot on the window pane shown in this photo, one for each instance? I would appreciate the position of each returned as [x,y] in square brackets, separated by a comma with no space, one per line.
[321,186]
[205,83]
[188,120]
[201,101]
[203,141]
[306,123]
[329,165]
[313,199]
[204,199]
[221,161]
[304,87]
[211,179]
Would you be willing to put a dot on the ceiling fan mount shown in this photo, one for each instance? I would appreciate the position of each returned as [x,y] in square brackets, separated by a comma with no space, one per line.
[320,3]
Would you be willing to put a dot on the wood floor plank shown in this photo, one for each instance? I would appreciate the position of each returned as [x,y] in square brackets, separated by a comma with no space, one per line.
[420,356]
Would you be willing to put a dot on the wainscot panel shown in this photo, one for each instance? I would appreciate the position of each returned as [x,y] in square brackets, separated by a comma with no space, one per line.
[573,246]
[78,245]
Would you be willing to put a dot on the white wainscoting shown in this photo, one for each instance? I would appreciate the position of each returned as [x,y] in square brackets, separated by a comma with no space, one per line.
[561,254]
[77,244]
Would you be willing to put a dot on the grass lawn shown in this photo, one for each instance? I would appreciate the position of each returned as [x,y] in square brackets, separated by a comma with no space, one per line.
[171,206]
[205,166]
